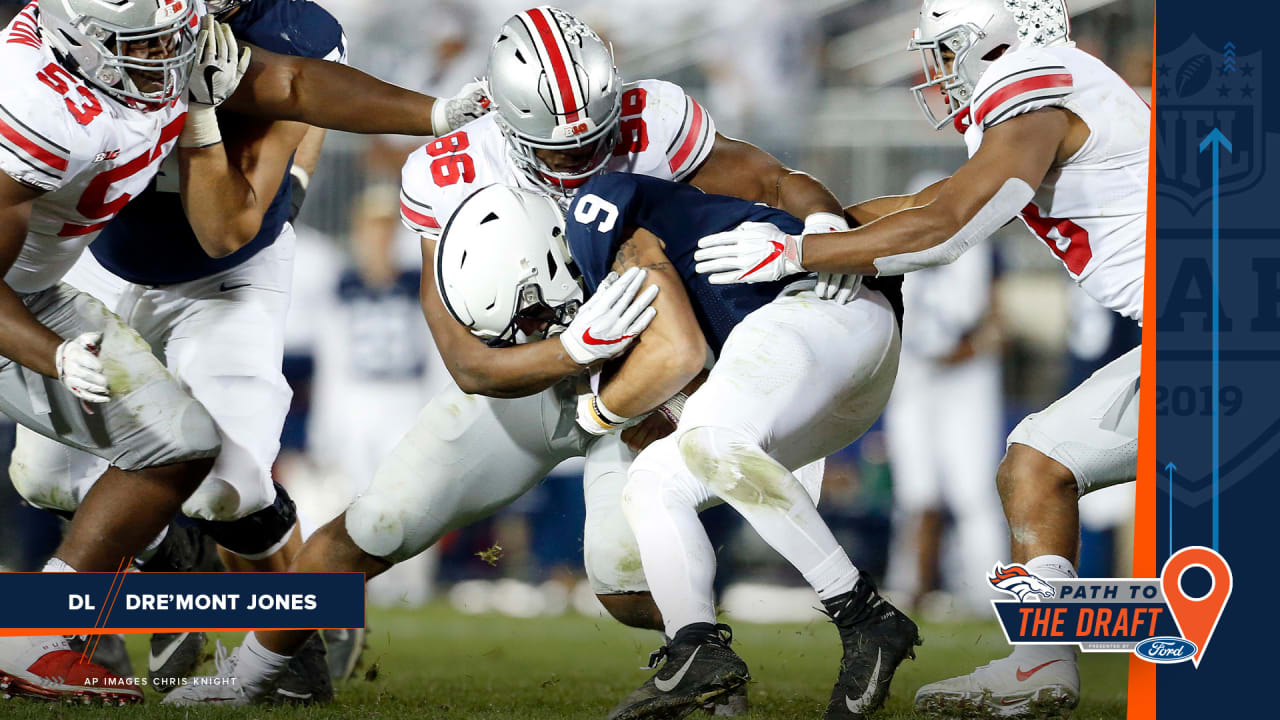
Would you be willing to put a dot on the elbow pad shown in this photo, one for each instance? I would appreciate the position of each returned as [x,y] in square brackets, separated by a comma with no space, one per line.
[1005,204]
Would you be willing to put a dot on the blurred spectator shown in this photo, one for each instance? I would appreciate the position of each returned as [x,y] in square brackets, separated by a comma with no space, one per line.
[944,432]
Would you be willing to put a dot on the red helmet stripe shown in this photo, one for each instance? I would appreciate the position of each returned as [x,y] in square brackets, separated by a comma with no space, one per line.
[559,67]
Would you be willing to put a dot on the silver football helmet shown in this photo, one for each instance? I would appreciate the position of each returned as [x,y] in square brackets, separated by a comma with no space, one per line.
[975,33]
[503,266]
[555,86]
[138,50]
[221,7]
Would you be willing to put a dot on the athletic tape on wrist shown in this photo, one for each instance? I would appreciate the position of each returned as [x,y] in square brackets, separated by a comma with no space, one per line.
[201,128]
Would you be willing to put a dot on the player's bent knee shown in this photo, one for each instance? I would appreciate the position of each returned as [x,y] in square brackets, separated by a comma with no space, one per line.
[191,435]
[733,466]
[1027,470]
[259,534]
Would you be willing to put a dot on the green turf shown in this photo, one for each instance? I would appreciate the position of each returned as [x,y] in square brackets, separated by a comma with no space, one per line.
[436,663]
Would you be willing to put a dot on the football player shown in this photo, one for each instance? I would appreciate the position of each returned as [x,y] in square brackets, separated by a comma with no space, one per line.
[510,416]
[1057,138]
[796,378]
[210,300]
[93,99]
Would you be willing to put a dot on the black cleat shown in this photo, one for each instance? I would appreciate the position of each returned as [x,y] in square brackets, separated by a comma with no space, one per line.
[306,679]
[731,704]
[174,656]
[877,637]
[700,668]
[344,649]
[110,652]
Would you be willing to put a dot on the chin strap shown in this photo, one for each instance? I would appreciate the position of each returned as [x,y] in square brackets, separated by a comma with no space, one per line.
[1008,201]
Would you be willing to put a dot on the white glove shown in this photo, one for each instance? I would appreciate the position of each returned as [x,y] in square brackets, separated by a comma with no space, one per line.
[753,252]
[471,102]
[220,63]
[215,75]
[80,369]
[832,286]
[610,321]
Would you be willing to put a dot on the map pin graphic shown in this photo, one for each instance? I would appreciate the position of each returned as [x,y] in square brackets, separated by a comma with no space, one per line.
[1196,617]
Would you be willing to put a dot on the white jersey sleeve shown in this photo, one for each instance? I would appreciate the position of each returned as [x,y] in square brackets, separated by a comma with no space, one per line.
[665,132]
[1020,82]
[438,176]
[37,131]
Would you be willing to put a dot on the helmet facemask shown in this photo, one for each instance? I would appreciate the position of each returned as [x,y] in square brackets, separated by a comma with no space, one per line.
[535,318]
[952,77]
[150,65]
[596,143]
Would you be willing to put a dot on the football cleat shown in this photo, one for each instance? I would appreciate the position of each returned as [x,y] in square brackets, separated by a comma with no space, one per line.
[700,668]
[220,689]
[876,637]
[732,704]
[173,656]
[305,680]
[344,650]
[109,652]
[45,668]
[1043,687]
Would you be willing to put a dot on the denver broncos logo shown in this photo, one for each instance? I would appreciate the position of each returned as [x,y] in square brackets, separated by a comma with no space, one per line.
[1015,580]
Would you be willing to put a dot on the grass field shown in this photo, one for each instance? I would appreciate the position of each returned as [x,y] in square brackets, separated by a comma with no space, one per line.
[437,663]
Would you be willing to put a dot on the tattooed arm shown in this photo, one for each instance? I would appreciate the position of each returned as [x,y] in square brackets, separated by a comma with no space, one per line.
[672,351]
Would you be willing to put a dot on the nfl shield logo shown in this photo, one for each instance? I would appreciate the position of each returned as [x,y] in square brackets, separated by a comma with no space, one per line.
[1198,89]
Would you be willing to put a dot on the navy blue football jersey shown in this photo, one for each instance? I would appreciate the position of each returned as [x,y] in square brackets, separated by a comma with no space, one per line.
[609,205]
[150,241]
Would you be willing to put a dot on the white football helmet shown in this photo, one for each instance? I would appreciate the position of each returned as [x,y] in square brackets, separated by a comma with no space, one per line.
[556,88]
[503,266]
[92,39]
[978,32]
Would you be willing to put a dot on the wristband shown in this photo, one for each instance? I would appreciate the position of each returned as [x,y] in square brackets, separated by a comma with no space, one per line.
[201,129]
[299,178]
[595,418]
[440,117]
[673,408]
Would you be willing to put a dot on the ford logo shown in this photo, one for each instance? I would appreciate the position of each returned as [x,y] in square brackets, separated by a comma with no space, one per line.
[1165,649]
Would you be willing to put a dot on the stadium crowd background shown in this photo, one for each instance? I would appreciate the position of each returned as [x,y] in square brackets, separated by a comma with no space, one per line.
[822,85]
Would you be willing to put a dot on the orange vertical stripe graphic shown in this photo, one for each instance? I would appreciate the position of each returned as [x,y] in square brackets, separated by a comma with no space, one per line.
[1142,674]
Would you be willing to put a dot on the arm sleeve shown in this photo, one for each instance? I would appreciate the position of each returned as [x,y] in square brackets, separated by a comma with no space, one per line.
[1018,83]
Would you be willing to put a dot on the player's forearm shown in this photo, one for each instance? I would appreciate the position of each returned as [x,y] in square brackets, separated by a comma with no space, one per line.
[871,210]
[22,338]
[856,250]
[654,371]
[517,371]
[220,203]
[322,93]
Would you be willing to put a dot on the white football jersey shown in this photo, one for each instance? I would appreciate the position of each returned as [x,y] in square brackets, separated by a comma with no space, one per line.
[87,150]
[665,134]
[1091,211]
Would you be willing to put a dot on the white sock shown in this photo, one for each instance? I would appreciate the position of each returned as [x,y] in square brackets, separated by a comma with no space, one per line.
[56,565]
[679,562]
[835,575]
[1053,567]
[257,667]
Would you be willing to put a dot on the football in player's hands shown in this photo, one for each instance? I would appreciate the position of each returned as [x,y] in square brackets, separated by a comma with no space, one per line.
[219,65]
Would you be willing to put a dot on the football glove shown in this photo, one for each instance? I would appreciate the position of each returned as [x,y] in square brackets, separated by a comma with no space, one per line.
[471,102]
[753,252]
[609,322]
[832,286]
[80,369]
[220,63]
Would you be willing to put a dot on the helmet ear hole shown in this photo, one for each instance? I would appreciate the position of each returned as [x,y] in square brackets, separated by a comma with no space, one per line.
[995,53]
